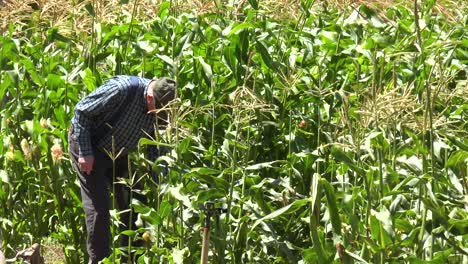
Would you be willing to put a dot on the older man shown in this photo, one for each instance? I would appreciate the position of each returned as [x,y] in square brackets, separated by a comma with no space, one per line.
[109,122]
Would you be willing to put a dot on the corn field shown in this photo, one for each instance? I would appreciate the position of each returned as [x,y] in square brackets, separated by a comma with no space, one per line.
[330,131]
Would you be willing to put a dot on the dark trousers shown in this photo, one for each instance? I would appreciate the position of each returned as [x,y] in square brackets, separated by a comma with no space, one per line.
[95,195]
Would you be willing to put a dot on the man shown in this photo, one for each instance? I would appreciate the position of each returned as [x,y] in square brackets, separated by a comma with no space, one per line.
[109,122]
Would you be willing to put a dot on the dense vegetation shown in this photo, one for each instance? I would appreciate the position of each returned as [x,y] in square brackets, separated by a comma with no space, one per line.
[337,136]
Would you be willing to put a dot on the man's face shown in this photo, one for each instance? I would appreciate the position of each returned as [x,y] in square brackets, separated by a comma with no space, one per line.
[164,100]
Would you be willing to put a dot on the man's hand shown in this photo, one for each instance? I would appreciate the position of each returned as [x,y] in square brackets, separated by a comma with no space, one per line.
[86,164]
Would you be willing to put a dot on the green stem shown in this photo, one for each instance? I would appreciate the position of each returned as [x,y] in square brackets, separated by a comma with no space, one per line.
[91,61]
[213,116]
[314,215]
[233,166]
[381,181]
[244,176]
[130,33]
[113,233]
[368,188]
[130,221]
[1,68]
[181,226]
[428,116]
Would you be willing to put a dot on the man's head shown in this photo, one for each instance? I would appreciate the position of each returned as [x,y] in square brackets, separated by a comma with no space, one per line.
[164,91]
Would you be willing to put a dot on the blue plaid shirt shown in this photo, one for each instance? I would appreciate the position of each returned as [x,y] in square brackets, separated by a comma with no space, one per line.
[100,107]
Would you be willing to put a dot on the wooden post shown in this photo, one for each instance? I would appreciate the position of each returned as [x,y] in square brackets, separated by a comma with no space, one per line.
[2,258]
[206,245]
[206,232]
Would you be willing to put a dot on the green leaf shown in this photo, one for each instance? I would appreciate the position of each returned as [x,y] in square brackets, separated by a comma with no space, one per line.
[164,9]
[146,45]
[372,16]
[210,195]
[310,255]
[412,238]
[61,116]
[328,35]
[229,58]
[378,232]
[238,28]
[207,72]
[89,7]
[254,4]
[413,163]
[146,141]
[306,5]
[343,157]
[89,79]
[331,199]
[458,159]
[374,228]
[207,175]
[385,219]
[167,60]
[357,257]
[176,193]
[139,207]
[165,209]
[4,177]
[457,142]
[178,255]
[314,189]
[260,200]
[54,35]
[403,225]
[28,126]
[265,56]
[377,140]
[262,165]
[32,70]
[458,226]
[54,81]
[296,205]
[395,203]
[416,260]
[214,182]
[206,171]
[146,213]
[130,233]
[442,257]
[241,237]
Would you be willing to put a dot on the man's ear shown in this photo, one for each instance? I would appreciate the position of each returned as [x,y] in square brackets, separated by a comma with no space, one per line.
[150,100]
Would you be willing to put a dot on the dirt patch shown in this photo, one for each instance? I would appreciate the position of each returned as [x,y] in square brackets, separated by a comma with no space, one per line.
[52,252]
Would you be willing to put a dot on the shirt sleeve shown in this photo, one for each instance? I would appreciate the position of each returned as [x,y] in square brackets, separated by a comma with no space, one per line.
[89,111]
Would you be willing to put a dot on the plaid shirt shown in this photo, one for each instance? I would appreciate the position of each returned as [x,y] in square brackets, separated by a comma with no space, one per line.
[100,107]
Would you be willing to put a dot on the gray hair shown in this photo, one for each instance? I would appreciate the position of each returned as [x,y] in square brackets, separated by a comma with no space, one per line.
[164,90]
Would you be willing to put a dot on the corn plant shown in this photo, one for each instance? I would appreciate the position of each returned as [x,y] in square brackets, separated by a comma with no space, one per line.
[338,136]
